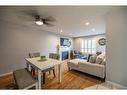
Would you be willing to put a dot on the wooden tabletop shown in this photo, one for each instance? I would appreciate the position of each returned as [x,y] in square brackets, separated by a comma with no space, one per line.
[42,65]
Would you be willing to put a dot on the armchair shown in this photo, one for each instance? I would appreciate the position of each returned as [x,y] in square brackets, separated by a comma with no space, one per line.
[74,54]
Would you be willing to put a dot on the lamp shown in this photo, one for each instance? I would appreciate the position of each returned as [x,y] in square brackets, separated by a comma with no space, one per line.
[39,22]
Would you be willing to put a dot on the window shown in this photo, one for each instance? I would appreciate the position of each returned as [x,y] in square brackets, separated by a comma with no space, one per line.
[82,46]
[88,46]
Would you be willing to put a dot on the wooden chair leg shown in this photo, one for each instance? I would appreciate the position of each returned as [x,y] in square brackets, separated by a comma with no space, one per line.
[33,72]
[43,77]
[49,72]
[54,72]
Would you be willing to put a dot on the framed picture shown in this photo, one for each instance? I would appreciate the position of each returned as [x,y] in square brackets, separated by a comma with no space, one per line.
[102,41]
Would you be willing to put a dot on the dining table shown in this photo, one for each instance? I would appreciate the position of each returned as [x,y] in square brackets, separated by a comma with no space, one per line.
[42,65]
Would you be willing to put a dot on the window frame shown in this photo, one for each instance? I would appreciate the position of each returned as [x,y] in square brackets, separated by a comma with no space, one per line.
[90,48]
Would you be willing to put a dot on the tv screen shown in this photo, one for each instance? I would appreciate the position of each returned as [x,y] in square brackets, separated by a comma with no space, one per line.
[64,41]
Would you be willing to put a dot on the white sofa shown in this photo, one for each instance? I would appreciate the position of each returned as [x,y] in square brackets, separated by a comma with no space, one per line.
[87,67]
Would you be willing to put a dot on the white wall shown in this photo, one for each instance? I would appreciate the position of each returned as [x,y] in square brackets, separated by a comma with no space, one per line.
[77,42]
[116,50]
[16,41]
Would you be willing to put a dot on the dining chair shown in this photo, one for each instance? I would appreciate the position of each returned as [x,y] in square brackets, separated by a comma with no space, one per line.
[54,56]
[32,55]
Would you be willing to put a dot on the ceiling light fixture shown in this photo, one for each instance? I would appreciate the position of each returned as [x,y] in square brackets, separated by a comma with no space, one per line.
[87,23]
[39,22]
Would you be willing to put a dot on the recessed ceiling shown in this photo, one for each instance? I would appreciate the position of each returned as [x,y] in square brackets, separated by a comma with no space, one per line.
[70,19]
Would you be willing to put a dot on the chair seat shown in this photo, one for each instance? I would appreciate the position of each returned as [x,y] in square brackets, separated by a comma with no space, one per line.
[46,70]
[23,78]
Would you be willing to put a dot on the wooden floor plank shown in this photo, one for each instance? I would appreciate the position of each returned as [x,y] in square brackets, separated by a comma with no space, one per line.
[70,80]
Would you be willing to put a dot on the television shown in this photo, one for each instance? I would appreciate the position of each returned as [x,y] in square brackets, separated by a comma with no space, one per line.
[64,42]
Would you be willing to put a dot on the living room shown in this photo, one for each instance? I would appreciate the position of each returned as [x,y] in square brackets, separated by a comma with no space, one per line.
[96,30]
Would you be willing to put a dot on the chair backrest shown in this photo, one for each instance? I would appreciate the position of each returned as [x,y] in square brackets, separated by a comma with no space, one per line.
[36,54]
[54,56]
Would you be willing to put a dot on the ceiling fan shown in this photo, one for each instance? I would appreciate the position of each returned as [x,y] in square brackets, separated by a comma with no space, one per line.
[44,21]
[38,19]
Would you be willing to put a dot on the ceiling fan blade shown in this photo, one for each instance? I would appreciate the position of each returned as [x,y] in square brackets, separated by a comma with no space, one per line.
[50,18]
[48,24]
[32,12]
[37,17]
[24,17]
[28,15]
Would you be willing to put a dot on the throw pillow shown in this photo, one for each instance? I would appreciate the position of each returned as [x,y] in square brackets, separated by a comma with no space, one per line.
[101,55]
[89,57]
[103,62]
[99,60]
[98,53]
[75,51]
[92,58]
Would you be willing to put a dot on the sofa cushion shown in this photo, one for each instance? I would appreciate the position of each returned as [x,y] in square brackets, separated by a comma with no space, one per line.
[93,69]
[88,57]
[74,62]
[84,64]
[101,55]
[98,60]
[87,67]
[103,62]
[92,58]
[98,53]
[76,52]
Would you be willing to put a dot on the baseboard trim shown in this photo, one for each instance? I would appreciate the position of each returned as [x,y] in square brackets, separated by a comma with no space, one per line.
[5,74]
[116,85]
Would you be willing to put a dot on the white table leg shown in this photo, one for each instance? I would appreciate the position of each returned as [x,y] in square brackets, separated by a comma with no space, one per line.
[59,72]
[39,79]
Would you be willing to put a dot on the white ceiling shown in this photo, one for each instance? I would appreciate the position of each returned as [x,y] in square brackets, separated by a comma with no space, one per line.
[71,19]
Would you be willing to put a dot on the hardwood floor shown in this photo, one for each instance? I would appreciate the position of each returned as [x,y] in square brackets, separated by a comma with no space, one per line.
[70,80]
